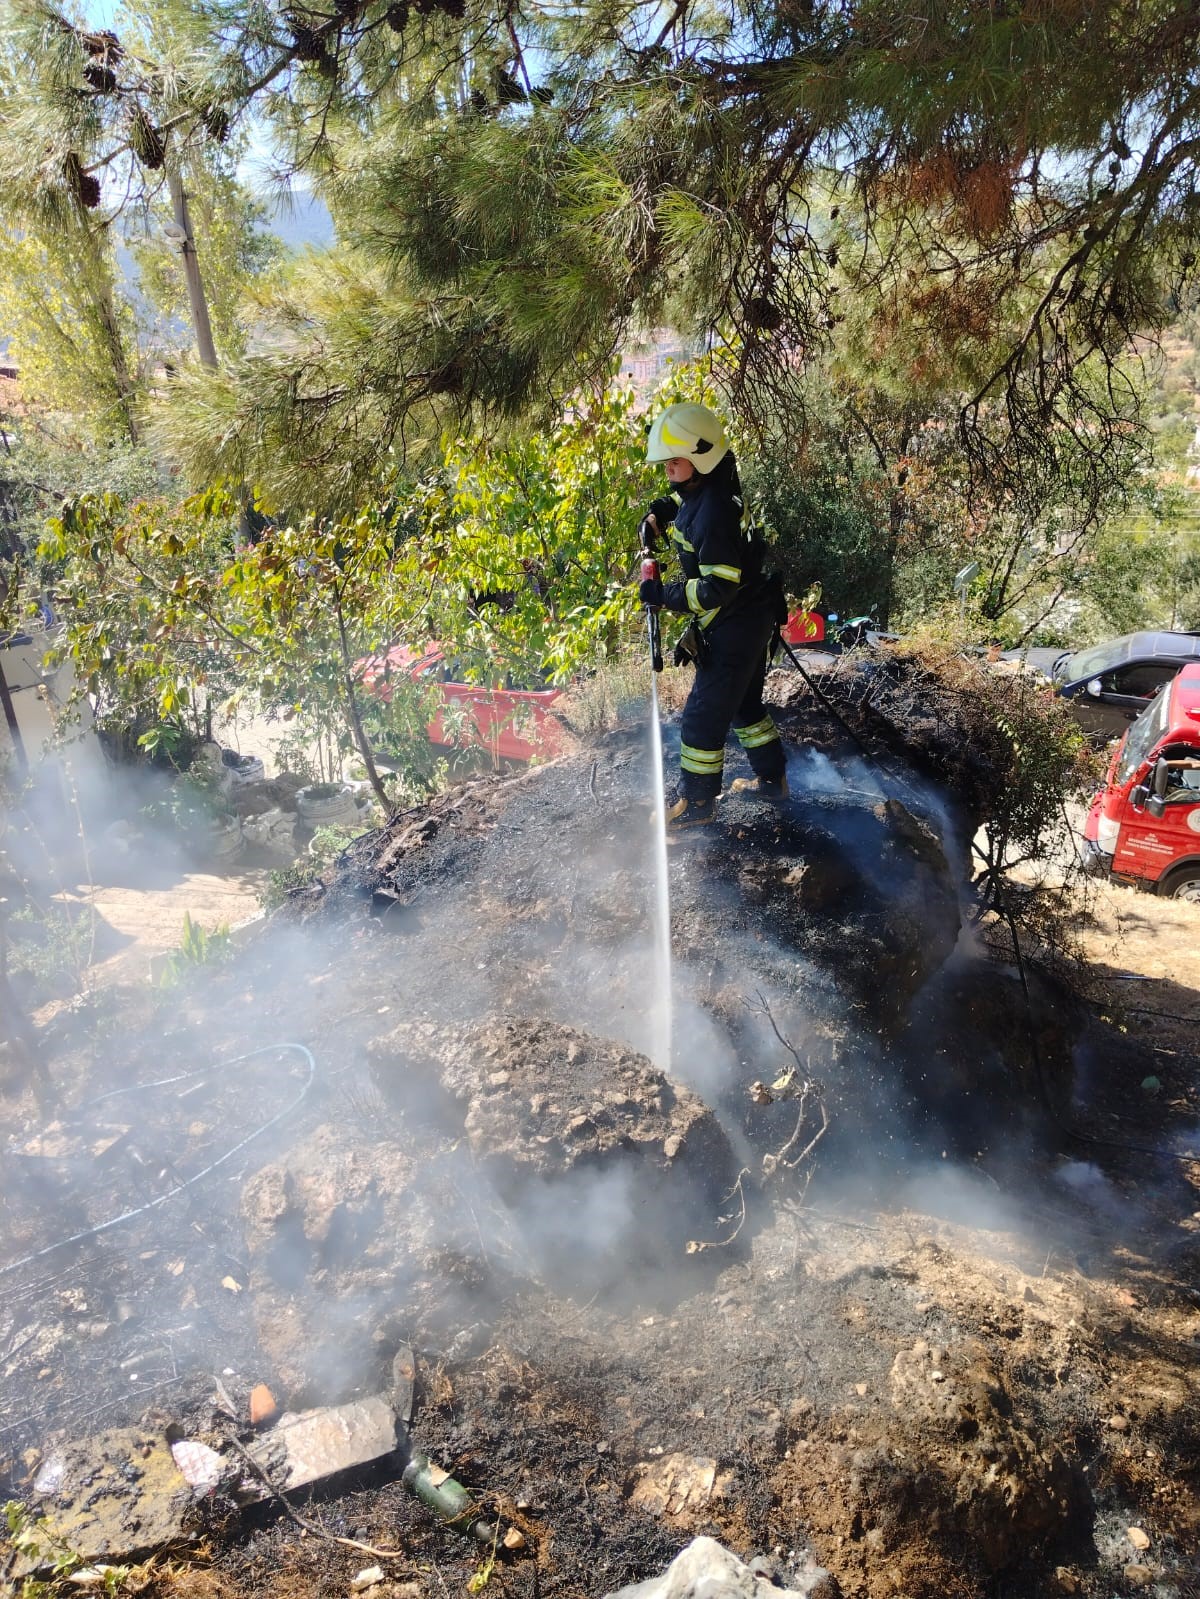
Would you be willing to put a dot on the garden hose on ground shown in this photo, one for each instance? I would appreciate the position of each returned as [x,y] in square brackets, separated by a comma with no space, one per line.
[164,1082]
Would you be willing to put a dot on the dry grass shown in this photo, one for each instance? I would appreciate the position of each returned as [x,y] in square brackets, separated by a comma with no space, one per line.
[613,691]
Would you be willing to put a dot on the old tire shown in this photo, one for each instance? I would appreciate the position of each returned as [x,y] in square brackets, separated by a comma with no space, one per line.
[242,768]
[225,841]
[319,808]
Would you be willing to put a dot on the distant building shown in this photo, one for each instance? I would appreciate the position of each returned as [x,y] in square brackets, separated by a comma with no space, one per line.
[646,364]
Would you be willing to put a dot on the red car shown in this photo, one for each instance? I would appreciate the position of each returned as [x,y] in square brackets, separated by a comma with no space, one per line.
[511,724]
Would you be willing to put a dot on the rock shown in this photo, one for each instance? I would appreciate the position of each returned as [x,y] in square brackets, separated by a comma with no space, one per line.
[1138,1576]
[1138,1537]
[606,1166]
[114,1497]
[266,795]
[1118,1424]
[314,1444]
[707,1570]
[678,1485]
[370,1577]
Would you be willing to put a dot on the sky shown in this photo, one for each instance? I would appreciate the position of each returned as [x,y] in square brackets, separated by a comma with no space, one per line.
[300,220]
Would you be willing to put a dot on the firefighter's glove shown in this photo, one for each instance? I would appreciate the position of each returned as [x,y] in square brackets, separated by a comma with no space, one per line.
[663,511]
[692,648]
[650,592]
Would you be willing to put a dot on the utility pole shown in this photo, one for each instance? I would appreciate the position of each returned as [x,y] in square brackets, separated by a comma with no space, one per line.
[182,235]
[14,731]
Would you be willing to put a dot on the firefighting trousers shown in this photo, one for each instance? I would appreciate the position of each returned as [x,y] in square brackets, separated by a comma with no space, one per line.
[728,689]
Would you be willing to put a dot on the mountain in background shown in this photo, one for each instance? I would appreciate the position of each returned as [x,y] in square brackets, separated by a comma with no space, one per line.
[301,220]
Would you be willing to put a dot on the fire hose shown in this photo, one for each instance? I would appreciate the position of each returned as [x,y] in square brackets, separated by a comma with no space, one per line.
[651,572]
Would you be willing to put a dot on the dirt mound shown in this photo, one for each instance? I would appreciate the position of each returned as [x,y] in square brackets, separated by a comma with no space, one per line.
[590,1169]
[852,879]
[940,1339]
[540,1102]
[983,1481]
[610,1168]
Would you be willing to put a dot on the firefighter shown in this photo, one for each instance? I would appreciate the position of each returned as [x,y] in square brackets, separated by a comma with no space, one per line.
[732,607]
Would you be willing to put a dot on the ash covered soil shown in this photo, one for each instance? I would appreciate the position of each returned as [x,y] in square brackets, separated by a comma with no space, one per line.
[890,1269]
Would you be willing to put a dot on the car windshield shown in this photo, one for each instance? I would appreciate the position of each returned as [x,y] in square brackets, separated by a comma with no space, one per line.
[1100,658]
[1143,735]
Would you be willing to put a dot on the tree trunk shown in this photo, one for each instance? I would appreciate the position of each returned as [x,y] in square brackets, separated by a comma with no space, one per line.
[14,732]
[201,325]
[895,523]
[357,730]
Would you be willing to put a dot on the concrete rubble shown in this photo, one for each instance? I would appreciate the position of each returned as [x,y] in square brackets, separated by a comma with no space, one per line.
[311,1445]
[124,1493]
[273,830]
[113,1496]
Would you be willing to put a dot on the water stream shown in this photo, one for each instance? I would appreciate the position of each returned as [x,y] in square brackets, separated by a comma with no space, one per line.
[662,1000]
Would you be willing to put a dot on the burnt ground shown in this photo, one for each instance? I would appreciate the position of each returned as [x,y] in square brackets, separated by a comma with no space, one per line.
[895,1264]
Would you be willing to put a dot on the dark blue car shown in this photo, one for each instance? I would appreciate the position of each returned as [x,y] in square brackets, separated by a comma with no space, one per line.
[1110,684]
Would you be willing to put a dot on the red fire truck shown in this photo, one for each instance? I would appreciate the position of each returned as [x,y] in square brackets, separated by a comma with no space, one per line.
[1144,825]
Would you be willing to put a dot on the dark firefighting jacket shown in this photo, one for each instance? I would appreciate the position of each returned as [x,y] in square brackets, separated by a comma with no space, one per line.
[721,557]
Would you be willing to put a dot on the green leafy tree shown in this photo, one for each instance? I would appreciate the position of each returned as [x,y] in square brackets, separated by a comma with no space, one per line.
[1144,571]
[163,614]
[137,589]
[73,334]
[523,553]
[516,557]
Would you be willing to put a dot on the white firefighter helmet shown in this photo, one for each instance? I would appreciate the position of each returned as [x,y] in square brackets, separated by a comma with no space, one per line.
[690,431]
